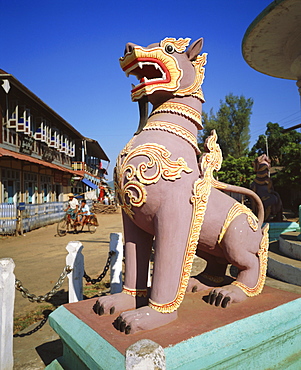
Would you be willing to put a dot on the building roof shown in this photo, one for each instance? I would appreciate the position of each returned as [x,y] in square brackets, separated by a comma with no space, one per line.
[94,149]
[24,157]
[272,43]
[30,94]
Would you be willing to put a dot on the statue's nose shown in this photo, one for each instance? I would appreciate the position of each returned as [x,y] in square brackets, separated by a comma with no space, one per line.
[129,47]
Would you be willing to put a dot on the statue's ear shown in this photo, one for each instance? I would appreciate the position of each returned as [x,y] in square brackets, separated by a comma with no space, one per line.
[194,49]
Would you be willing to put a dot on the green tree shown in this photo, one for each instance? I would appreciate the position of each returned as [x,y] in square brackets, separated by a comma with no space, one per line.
[237,171]
[284,150]
[290,174]
[275,141]
[231,123]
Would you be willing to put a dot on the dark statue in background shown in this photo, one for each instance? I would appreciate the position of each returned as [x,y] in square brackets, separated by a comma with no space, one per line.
[263,187]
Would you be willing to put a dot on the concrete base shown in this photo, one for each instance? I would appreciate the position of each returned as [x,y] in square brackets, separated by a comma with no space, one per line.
[282,267]
[261,333]
[290,245]
[277,228]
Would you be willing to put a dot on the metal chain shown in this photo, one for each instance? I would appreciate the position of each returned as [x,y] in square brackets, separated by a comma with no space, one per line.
[34,330]
[103,274]
[42,298]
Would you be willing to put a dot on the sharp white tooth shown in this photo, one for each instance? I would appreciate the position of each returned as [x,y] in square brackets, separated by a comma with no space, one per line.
[140,65]
[157,66]
[163,76]
[145,79]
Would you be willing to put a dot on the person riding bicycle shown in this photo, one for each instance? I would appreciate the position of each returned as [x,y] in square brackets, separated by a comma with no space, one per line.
[84,212]
[72,209]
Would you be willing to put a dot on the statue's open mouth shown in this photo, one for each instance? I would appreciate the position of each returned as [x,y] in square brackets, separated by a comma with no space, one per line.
[154,68]
[148,72]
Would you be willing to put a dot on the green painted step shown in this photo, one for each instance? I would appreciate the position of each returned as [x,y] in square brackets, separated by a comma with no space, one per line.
[282,267]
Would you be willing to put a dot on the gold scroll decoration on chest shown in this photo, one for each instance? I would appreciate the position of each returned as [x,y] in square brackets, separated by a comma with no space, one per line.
[130,180]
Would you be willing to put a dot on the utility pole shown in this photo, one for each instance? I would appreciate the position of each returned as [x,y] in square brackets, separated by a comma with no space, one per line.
[266,145]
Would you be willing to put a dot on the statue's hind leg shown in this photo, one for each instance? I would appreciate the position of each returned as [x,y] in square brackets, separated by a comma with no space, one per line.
[247,250]
[138,245]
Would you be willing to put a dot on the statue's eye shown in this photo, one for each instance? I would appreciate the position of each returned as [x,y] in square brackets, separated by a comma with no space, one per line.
[169,49]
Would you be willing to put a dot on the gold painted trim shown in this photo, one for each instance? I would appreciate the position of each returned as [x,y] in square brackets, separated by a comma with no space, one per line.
[201,192]
[132,193]
[174,129]
[174,74]
[195,88]
[134,292]
[199,200]
[179,44]
[236,210]
[263,260]
[182,110]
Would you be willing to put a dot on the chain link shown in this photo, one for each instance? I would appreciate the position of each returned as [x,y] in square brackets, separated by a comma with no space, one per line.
[42,298]
[103,274]
[34,330]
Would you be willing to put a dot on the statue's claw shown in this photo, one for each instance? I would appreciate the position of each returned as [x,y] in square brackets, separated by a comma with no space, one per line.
[119,320]
[225,302]
[194,289]
[212,296]
[111,304]
[218,299]
[112,310]
[98,308]
[122,326]
[226,295]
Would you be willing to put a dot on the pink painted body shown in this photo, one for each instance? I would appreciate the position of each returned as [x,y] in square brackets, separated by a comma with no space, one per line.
[164,219]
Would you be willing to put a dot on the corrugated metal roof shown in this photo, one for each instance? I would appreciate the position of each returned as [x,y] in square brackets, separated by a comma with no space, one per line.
[24,157]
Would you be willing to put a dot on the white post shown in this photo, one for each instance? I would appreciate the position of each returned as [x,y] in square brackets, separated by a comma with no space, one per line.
[145,355]
[75,260]
[7,299]
[116,246]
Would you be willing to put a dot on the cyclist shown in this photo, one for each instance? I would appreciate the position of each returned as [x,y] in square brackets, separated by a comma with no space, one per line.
[83,213]
[72,209]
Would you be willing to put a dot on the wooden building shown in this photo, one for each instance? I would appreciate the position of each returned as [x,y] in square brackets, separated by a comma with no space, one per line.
[42,157]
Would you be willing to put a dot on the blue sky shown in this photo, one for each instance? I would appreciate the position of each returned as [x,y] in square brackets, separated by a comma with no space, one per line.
[67,52]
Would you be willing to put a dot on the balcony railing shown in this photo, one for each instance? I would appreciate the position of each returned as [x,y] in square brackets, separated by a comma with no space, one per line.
[82,166]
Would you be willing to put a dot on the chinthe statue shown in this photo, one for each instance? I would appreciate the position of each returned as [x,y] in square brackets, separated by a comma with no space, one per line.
[170,199]
[263,187]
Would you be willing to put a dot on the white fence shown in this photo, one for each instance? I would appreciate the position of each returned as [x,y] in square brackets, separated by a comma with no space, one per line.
[33,217]
[75,260]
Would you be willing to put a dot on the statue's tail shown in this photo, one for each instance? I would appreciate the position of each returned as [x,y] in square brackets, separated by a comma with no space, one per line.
[244,191]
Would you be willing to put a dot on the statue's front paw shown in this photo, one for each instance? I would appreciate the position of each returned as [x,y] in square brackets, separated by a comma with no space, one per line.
[226,295]
[99,309]
[144,318]
[114,303]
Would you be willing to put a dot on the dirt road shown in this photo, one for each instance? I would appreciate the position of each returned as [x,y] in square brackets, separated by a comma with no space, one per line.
[40,256]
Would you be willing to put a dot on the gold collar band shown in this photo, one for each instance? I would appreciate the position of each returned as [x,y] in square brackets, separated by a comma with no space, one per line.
[182,110]
[176,130]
